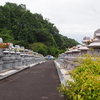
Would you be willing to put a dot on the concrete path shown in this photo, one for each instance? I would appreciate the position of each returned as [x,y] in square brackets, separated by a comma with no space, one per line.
[36,83]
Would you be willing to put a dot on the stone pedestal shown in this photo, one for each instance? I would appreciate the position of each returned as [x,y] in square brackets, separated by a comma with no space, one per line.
[1,52]
[22,59]
[13,59]
[95,47]
[1,63]
[6,60]
[97,34]
[18,58]
[75,52]
[26,59]
[83,50]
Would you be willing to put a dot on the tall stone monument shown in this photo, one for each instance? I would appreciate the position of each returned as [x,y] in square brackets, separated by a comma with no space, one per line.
[95,45]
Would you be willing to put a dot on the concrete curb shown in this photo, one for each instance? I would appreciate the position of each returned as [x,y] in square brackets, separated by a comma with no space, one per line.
[11,72]
[62,80]
[63,73]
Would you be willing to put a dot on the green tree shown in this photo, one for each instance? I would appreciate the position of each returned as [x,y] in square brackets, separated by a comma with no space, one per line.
[41,50]
[19,26]
[36,46]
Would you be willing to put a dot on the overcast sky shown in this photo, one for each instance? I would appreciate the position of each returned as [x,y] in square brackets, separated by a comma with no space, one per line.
[73,18]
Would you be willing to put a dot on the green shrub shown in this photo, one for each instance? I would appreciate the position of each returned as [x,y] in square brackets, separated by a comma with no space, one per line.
[41,50]
[86,80]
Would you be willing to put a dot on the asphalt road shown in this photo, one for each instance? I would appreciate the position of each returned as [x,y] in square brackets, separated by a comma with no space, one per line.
[36,83]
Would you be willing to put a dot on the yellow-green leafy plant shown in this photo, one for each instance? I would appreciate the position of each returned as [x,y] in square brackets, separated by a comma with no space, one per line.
[86,84]
[61,65]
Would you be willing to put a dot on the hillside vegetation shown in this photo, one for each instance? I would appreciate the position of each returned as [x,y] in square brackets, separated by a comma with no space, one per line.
[19,26]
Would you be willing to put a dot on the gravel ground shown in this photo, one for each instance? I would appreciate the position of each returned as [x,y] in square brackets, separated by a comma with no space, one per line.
[36,83]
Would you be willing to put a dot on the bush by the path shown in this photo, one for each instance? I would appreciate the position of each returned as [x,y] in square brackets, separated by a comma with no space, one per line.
[86,84]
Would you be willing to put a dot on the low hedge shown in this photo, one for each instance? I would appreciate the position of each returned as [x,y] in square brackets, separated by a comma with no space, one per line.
[86,80]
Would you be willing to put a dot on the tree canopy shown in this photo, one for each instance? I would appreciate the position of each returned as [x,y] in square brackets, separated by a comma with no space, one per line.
[19,26]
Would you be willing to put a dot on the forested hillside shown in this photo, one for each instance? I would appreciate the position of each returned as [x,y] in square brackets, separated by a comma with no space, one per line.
[19,26]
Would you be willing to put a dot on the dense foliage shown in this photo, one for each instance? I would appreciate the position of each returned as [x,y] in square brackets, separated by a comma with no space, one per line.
[86,80]
[19,26]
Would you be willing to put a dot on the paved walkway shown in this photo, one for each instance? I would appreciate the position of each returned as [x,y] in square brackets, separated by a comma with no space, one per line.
[36,83]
